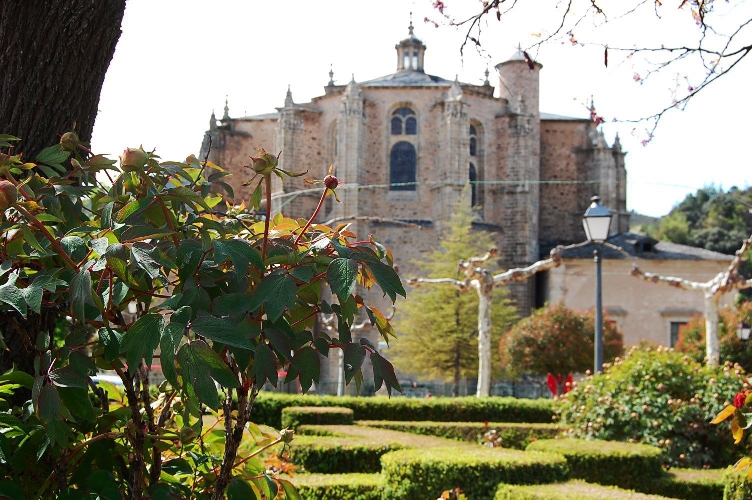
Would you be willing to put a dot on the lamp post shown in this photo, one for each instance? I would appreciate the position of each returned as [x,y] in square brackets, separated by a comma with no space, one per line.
[597,222]
[742,331]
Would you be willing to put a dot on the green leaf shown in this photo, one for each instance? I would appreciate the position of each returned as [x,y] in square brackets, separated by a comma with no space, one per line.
[276,292]
[238,489]
[18,377]
[117,258]
[342,250]
[144,259]
[142,339]
[341,275]
[32,294]
[240,252]
[188,196]
[303,273]
[231,304]
[53,156]
[48,405]
[256,196]
[78,402]
[264,365]
[135,207]
[80,293]
[385,328]
[170,342]
[110,339]
[290,492]
[140,233]
[322,345]
[354,355]
[10,490]
[12,296]
[387,279]
[188,257]
[383,373]
[75,247]
[307,362]
[221,330]
[194,377]
[210,362]
[67,377]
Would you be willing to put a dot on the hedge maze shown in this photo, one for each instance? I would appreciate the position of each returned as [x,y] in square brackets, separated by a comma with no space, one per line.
[361,449]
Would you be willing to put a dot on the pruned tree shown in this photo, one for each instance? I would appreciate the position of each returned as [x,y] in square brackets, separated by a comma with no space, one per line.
[481,280]
[556,340]
[703,40]
[723,282]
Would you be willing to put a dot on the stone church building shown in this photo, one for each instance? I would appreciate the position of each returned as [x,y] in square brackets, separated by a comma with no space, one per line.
[404,145]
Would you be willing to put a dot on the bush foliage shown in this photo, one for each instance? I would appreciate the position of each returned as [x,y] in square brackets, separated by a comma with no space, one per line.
[627,465]
[228,298]
[659,397]
[295,416]
[733,349]
[571,490]
[268,408]
[556,340]
[411,474]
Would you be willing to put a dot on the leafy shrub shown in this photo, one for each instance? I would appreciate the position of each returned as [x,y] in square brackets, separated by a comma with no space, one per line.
[295,416]
[228,298]
[339,486]
[556,340]
[571,490]
[627,465]
[510,435]
[732,348]
[659,397]
[268,408]
[426,473]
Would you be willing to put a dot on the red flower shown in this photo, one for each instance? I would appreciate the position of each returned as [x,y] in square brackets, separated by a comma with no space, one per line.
[740,398]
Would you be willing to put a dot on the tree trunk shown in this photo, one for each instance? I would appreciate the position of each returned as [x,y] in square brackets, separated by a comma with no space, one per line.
[54,56]
[712,350]
[484,339]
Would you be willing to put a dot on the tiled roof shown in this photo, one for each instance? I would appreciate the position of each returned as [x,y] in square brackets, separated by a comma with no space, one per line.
[643,247]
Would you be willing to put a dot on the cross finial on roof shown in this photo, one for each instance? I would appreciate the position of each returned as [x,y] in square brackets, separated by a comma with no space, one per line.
[486,82]
[331,75]
[226,116]
[410,28]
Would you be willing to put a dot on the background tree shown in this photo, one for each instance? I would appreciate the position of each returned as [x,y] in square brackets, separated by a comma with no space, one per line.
[444,312]
[731,347]
[54,58]
[712,218]
[556,340]
[723,282]
[703,40]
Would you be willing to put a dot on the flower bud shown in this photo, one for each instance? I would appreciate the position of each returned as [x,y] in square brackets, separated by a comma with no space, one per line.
[8,194]
[133,158]
[265,162]
[331,182]
[69,141]
[286,435]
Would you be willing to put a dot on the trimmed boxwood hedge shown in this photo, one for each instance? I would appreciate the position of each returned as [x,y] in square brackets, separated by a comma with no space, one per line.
[571,490]
[736,485]
[690,484]
[338,486]
[267,409]
[513,435]
[335,455]
[295,416]
[627,465]
[425,473]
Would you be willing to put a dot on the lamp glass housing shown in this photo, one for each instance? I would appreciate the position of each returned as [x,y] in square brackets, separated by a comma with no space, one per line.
[596,221]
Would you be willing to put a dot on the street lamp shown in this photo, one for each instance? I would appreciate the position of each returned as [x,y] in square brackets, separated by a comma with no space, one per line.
[597,222]
[742,331]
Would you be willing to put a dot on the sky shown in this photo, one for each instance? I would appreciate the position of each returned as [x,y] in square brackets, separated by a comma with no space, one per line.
[177,60]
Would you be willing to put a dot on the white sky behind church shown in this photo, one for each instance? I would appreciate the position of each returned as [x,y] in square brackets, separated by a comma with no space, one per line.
[178,59]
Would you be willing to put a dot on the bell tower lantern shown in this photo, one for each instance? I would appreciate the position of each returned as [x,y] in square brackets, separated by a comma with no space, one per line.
[410,52]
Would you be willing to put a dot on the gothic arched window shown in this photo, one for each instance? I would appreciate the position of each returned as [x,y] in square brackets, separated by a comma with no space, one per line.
[473,178]
[402,167]
[403,119]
